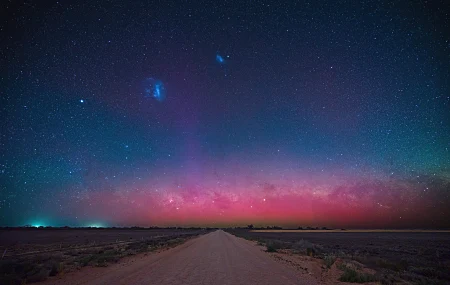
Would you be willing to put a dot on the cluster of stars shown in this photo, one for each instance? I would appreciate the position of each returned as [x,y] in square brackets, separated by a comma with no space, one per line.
[325,110]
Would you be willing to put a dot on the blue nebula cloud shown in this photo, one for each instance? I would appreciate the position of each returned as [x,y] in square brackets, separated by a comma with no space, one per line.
[220,59]
[154,88]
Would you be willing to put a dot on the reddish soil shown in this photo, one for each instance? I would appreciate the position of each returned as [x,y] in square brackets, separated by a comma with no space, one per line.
[215,258]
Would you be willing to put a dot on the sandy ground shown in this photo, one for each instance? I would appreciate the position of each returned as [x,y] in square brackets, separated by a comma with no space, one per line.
[316,268]
[215,258]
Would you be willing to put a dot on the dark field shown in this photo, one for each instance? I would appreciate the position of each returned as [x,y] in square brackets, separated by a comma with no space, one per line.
[33,255]
[397,257]
[19,241]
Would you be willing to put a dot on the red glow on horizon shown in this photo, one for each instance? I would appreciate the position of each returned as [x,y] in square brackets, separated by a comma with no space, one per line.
[297,203]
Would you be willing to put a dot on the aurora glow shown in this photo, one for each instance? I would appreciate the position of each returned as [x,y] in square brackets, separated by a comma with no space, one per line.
[295,114]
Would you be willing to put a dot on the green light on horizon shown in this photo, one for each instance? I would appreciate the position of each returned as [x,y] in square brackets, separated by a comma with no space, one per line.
[38,223]
[97,225]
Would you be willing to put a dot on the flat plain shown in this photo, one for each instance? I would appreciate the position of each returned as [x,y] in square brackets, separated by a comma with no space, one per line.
[387,256]
[35,254]
[24,240]
[234,256]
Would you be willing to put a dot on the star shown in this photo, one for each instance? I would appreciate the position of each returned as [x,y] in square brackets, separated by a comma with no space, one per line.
[304,116]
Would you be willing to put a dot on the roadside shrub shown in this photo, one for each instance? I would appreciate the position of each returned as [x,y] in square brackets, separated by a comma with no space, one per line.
[20,271]
[136,246]
[353,276]
[139,246]
[102,259]
[271,248]
[56,268]
[306,247]
[30,270]
[302,244]
[329,260]
[84,260]
[175,241]
[37,276]
[274,245]
[310,251]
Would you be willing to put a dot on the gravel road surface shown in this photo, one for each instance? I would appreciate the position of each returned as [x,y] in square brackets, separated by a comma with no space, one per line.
[213,259]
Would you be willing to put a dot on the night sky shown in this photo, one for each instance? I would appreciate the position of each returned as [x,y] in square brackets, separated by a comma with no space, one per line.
[321,113]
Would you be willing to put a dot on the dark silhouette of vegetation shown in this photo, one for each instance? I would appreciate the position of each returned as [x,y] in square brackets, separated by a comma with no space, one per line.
[40,266]
[270,248]
[274,246]
[329,260]
[353,276]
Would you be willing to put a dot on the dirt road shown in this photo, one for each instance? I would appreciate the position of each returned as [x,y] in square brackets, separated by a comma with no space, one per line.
[215,258]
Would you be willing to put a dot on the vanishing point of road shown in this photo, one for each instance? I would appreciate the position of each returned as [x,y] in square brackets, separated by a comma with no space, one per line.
[213,259]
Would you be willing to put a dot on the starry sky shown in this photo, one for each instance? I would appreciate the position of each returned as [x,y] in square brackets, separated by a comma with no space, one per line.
[218,113]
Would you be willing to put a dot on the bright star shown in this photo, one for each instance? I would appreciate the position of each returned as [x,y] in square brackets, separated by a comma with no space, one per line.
[81,101]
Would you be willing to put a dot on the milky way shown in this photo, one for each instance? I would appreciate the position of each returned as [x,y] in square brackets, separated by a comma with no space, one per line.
[328,114]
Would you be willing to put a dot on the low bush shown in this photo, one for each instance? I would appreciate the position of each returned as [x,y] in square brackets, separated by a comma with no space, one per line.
[39,275]
[100,259]
[306,247]
[175,241]
[302,244]
[138,246]
[271,248]
[108,256]
[274,246]
[84,260]
[353,276]
[55,268]
[329,260]
[23,271]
